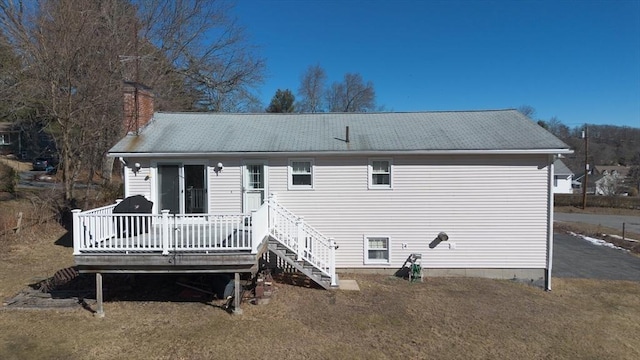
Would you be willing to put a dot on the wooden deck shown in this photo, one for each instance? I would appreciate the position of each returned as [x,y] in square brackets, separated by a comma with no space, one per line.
[220,261]
[104,241]
[187,248]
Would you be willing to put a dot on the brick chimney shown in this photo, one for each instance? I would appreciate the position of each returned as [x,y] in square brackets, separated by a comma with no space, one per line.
[138,107]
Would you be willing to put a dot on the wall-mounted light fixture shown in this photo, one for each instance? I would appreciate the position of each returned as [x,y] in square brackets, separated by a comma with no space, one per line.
[442,236]
[136,168]
[218,168]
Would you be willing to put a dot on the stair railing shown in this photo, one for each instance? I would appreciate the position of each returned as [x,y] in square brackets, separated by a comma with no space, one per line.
[306,242]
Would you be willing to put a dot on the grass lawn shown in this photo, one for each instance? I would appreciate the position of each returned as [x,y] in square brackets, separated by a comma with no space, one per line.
[442,318]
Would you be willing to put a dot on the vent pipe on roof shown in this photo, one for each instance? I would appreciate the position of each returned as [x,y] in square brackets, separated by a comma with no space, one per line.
[347,136]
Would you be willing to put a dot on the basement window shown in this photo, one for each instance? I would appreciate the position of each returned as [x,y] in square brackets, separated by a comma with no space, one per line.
[376,250]
[300,174]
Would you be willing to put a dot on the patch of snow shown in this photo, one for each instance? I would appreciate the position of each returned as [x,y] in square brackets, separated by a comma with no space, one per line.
[598,242]
[620,237]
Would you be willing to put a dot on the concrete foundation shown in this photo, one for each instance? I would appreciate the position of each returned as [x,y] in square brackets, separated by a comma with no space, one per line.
[521,274]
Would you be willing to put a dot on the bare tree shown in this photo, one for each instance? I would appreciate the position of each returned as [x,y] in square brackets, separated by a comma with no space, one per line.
[198,40]
[557,128]
[76,54]
[312,89]
[527,110]
[351,95]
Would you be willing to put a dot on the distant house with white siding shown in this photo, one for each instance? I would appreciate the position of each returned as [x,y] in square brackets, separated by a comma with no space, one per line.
[562,178]
[374,187]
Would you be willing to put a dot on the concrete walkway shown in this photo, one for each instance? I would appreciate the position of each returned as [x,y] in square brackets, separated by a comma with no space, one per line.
[574,257]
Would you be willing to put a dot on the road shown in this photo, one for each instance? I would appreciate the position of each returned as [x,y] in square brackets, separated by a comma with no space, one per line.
[632,223]
[574,257]
[28,180]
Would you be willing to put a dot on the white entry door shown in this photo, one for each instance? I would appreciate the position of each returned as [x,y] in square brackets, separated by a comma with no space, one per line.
[255,185]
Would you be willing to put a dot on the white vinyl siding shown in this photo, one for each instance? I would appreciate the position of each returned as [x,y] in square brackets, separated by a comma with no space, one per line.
[225,187]
[138,183]
[380,173]
[494,208]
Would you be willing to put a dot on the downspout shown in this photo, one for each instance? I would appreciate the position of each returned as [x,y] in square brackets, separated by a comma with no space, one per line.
[124,176]
[550,222]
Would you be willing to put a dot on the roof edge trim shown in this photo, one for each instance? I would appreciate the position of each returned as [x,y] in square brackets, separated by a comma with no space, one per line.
[371,153]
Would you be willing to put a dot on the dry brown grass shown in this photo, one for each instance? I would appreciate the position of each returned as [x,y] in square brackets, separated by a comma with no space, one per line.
[444,318]
[16,164]
[597,210]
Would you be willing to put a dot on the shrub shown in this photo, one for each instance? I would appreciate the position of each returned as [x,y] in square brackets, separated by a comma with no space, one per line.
[8,179]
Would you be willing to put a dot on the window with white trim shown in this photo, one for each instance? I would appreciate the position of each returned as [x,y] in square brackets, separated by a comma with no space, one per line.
[379,173]
[376,250]
[301,174]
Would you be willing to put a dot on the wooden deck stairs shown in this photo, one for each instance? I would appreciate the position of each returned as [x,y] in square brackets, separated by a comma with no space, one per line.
[303,266]
[300,245]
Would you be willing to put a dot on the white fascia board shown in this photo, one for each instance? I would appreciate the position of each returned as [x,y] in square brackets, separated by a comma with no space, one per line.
[350,153]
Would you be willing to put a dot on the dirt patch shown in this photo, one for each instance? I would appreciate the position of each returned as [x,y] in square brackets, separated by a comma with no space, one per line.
[80,291]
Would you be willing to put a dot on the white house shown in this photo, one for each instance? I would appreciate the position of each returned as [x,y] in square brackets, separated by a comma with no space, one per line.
[562,178]
[352,192]
[610,180]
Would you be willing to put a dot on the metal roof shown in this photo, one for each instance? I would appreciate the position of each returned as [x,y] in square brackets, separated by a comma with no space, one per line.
[200,133]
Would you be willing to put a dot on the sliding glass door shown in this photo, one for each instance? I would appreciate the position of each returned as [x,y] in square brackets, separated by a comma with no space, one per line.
[182,188]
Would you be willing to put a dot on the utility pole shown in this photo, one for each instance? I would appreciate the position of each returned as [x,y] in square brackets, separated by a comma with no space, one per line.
[585,136]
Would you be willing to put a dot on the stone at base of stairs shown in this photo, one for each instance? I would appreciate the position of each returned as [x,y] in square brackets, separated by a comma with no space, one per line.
[348,285]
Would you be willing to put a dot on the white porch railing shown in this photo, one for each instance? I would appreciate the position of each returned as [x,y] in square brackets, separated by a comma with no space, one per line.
[308,243]
[102,231]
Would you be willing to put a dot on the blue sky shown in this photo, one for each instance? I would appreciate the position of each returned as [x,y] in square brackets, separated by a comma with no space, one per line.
[576,60]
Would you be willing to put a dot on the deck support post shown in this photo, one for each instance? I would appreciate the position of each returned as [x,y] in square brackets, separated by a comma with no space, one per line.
[236,295]
[100,311]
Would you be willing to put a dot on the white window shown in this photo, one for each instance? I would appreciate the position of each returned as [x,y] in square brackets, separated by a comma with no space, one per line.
[376,250]
[379,173]
[301,174]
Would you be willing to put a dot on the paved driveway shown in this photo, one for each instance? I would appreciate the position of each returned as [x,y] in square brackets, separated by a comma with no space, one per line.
[632,223]
[574,257]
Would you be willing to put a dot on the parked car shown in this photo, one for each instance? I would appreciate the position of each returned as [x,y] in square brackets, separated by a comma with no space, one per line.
[51,170]
[40,164]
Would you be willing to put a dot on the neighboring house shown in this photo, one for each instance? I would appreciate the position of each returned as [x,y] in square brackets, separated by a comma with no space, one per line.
[472,191]
[7,138]
[562,178]
[610,179]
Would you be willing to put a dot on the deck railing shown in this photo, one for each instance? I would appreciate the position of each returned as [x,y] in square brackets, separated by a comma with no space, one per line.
[102,231]
[308,243]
